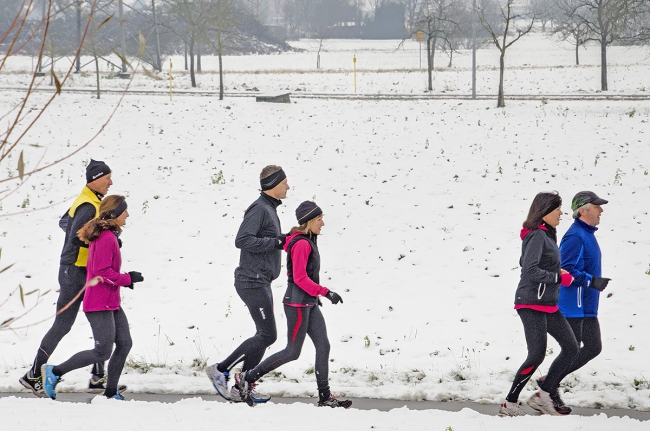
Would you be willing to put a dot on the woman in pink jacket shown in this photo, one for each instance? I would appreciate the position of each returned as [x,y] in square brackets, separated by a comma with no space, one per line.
[101,302]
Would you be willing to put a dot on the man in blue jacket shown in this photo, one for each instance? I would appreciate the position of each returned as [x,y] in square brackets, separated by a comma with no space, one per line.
[580,255]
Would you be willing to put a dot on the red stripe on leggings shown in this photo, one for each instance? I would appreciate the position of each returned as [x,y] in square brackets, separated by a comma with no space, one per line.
[298,323]
[527,370]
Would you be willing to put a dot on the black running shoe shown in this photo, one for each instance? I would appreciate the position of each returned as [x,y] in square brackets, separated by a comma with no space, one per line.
[559,405]
[245,388]
[334,402]
[97,385]
[34,384]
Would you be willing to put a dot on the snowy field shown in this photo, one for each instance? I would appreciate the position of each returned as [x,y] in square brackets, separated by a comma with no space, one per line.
[423,203]
[536,64]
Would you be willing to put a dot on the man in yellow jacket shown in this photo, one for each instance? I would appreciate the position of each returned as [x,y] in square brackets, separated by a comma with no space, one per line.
[72,274]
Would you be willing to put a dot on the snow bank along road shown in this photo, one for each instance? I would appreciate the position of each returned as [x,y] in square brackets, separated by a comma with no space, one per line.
[358,403]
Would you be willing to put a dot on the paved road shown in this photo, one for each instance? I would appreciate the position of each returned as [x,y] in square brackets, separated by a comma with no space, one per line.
[359,403]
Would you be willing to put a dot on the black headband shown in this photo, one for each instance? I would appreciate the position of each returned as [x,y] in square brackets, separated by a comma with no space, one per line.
[117,211]
[272,180]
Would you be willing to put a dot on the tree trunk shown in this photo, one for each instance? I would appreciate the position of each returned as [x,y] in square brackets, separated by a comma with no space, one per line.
[451,55]
[97,73]
[220,76]
[198,57]
[603,64]
[577,48]
[501,102]
[185,53]
[431,52]
[192,77]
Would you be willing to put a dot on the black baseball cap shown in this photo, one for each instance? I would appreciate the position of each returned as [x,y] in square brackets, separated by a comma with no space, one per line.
[584,198]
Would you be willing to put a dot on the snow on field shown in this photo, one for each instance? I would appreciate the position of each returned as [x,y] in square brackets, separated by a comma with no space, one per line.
[537,64]
[423,203]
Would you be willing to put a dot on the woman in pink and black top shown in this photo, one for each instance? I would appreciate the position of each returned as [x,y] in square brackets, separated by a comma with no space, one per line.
[301,306]
[536,303]
[101,302]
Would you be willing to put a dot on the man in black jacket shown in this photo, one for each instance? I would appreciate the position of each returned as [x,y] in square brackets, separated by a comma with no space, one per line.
[72,275]
[260,240]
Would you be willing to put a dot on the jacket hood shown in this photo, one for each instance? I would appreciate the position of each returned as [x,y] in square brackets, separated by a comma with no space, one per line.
[525,231]
[290,238]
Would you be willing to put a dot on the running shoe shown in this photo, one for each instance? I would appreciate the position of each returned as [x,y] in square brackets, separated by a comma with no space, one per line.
[559,405]
[245,388]
[97,385]
[118,396]
[219,380]
[34,384]
[542,402]
[49,380]
[334,402]
[258,398]
[511,409]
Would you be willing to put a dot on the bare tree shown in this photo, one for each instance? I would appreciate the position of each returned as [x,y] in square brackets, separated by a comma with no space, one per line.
[192,25]
[437,20]
[571,28]
[411,9]
[544,11]
[511,21]
[606,21]
[223,20]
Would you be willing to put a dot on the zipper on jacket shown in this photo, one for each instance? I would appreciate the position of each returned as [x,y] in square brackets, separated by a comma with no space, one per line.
[539,295]
[580,297]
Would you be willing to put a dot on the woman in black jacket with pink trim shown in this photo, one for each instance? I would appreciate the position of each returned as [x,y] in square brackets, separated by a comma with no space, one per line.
[536,303]
[301,306]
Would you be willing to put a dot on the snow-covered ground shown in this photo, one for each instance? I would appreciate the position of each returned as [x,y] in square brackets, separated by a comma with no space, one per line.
[423,204]
[535,64]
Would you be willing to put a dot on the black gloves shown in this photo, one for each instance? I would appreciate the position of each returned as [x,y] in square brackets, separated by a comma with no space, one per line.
[599,283]
[136,277]
[280,241]
[334,297]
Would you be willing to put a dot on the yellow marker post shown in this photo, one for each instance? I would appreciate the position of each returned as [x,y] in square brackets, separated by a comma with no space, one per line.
[170,79]
[354,60]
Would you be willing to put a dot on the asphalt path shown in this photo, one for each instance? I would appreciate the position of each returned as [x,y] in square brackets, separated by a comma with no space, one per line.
[358,403]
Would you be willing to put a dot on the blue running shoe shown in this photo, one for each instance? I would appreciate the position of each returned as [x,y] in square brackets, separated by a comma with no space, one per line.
[219,380]
[118,396]
[49,380]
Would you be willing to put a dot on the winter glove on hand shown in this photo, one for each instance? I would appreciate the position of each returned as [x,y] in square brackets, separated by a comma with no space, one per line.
[136,277]
[566,279]
[334,297]
[281,240]
[599,283]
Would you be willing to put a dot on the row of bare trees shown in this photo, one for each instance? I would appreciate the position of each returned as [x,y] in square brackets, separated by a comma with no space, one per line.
[452,24]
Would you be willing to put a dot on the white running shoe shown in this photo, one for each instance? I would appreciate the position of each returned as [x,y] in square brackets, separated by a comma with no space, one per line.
[511,409]
[235,396]
[542,402]
[219,380]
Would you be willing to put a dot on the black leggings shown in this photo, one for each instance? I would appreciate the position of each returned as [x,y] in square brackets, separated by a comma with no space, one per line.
[260,305]
[301,321]
[71,280]
[587,332]
[109,327]
[536,325]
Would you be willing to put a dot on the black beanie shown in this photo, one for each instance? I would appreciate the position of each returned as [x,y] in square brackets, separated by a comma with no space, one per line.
[96,169]
[307,211]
